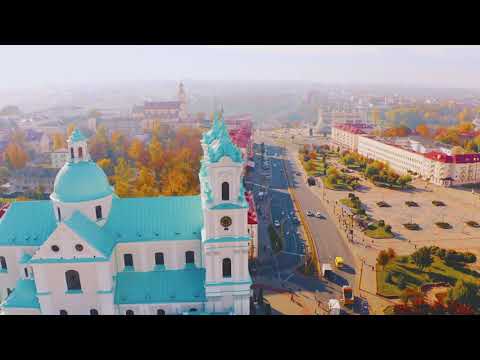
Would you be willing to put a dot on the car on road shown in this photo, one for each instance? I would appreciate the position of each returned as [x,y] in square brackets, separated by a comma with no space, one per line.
[333,307]
[311,181]
[276,223]
[339,262]
[326,271]
[309,213]
[319,215]
[347,295]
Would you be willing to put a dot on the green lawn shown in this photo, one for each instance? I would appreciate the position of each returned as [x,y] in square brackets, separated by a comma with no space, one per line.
[275,239]
[338,186]
[414,277]
[379,233]
[318,167]
[348,202]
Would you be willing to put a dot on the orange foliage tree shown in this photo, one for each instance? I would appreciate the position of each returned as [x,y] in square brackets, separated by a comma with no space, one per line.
[15,156]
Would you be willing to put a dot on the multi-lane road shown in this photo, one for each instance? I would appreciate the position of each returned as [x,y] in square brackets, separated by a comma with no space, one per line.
[328,241]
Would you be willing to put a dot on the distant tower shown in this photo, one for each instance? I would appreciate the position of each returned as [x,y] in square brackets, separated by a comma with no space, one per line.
[182,97]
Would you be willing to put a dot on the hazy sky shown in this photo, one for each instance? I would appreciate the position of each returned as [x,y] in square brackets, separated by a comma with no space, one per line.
[438,66]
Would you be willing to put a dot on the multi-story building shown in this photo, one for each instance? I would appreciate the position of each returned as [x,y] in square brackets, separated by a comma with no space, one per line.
[345,136]
[87,251]
[431,161]
[152,113]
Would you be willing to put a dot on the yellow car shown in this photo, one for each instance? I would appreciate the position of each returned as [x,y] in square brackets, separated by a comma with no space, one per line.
[338,262]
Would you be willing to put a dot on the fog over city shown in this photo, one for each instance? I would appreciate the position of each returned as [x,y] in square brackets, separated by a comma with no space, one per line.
[435,66]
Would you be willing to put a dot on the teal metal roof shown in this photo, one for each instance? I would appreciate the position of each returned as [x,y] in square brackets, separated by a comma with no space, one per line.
[95,235]
[27,223]
[158,218]
[81,181]
[212,134]
[76,135]
[223,146]
[169,286]
[24,295]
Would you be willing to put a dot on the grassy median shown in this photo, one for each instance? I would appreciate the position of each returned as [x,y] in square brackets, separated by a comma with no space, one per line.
[275,239]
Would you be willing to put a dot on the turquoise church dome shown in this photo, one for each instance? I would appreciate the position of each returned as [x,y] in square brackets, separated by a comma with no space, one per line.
[81,181]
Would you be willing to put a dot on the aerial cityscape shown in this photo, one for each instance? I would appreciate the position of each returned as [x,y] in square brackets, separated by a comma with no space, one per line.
[239,180]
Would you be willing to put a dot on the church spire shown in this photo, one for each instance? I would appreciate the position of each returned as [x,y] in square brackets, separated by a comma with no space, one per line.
[77,143]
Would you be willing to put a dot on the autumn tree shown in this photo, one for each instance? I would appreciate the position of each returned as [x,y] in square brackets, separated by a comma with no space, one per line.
[383,258]
[59,141]
[157,155]
[98,144]
[123,178]
[15,156]
[422,257]
[145,183]
[106,165]
[424,130]
[136,151]
[70,129]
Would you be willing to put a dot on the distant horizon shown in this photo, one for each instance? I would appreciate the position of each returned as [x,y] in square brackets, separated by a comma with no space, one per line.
[429,66]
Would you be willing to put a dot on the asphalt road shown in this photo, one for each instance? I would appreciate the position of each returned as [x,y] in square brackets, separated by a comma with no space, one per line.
[328,241]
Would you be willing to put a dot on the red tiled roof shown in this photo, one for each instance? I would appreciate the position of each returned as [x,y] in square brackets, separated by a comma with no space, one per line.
[453,159]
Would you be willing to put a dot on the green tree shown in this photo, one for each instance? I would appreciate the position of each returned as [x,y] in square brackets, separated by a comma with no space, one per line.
[464,293]
[422,257]
[383,258]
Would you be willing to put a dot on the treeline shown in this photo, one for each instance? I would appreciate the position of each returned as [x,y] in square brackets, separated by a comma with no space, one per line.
[168,164]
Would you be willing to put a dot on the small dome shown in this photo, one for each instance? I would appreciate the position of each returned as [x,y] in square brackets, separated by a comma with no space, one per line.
[82,181]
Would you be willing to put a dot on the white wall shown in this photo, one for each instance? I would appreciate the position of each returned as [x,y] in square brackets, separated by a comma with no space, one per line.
[87,208]
[144,254]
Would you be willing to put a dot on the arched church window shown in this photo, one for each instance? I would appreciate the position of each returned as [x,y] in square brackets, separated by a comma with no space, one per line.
[63,312]
[73,280]
[129,312]
[98,212]
[159,260]
[80,152]
[227,268]
[26,272]
[3,263]
[72,154]
[190,257]
[93,312]
[160,312]
[128,260]
[59,214]
[225,191]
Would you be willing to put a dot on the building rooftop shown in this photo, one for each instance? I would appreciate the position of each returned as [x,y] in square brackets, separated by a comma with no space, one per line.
[24,295]
[27,223]
[158,218]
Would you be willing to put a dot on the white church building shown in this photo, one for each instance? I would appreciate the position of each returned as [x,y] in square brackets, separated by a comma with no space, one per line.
[87,251]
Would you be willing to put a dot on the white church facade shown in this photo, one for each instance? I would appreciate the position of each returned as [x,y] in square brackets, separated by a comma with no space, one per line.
[87,251]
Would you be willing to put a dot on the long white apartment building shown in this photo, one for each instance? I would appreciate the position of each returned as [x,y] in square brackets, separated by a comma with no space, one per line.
[430,161]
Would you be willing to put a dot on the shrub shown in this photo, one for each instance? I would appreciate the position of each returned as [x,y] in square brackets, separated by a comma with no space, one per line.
[441,253]
[391,253]
[434,250]
[382,258]
[469,257]
[389,278]
[403,259]
[401,282]
[381,223]
[422,257]
[388,228]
